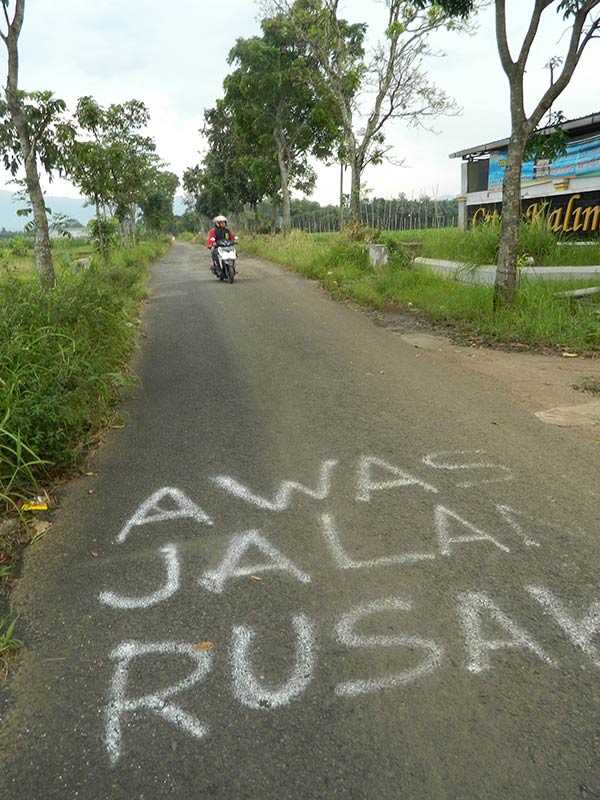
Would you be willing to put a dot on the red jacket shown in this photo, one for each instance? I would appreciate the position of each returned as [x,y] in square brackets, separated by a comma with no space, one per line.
[212,236]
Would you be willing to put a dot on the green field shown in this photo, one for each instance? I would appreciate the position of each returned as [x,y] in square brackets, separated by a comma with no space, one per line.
[17,255]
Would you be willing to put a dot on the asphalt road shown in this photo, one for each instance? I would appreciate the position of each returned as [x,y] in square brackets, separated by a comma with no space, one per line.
[316,562]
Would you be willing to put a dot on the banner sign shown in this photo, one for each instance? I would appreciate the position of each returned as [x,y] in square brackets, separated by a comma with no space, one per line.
[582,160]
[577,213]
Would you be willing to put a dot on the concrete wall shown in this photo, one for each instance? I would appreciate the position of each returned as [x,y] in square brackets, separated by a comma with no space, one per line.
[487,274]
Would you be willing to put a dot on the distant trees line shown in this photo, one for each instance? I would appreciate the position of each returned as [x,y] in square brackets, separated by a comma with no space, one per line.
[309,88]
[103,151]
[399,214]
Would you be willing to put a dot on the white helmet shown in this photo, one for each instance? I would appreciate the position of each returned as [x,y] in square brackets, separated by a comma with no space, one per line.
[220,218]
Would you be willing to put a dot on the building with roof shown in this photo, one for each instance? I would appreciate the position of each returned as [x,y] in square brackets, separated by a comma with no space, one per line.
[566,189]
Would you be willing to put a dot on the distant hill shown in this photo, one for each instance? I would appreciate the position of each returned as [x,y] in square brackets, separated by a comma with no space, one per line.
[71,206]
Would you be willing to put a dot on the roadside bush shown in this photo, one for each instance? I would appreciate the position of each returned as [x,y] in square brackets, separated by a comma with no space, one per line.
[19,246]
[331,259]
[108,231]
[480,245]
[400,256]
[537,240]
[63,357]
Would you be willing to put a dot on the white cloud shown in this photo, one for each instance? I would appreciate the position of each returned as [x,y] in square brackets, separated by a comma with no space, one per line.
[173,56]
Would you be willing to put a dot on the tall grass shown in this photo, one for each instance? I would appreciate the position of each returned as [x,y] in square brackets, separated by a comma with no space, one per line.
[63,356]
[18,464]
[480,245]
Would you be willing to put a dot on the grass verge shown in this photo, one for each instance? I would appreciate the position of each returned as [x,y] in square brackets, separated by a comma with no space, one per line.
[538,320]
[63,363]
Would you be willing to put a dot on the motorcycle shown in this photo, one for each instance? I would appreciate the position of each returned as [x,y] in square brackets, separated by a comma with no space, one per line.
[224,261]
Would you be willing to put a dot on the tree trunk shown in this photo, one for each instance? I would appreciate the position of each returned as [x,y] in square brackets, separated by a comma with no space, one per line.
[284,177]
[285,198]
[274,214]
[341,196]
[505,288]
[43,253]
[133,227]
[354,193]
[99,223]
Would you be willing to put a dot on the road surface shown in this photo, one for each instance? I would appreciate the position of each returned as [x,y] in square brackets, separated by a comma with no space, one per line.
[316,562]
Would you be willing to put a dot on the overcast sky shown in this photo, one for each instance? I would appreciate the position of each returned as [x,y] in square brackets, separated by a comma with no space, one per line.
[172,55]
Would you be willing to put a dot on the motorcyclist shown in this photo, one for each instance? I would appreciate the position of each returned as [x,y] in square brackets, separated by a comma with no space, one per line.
[220,232]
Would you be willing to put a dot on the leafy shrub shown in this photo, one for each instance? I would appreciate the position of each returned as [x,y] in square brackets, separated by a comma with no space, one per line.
[480,244]
[17,465]
[19,246]
[400,254]
[61,357]
[108,229]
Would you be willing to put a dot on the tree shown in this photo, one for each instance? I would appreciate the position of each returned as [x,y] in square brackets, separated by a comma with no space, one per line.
[582,26]
[457,8]
[185,223]
[282,104]
[89,168]
[260,134]
[113,163]
[132,159]
[157,205]
[235,171]
[199,198]
[392,80]
[30,131]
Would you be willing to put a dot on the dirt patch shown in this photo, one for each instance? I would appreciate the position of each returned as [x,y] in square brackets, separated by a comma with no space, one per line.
[542,379]
[402,318]
[589,384]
